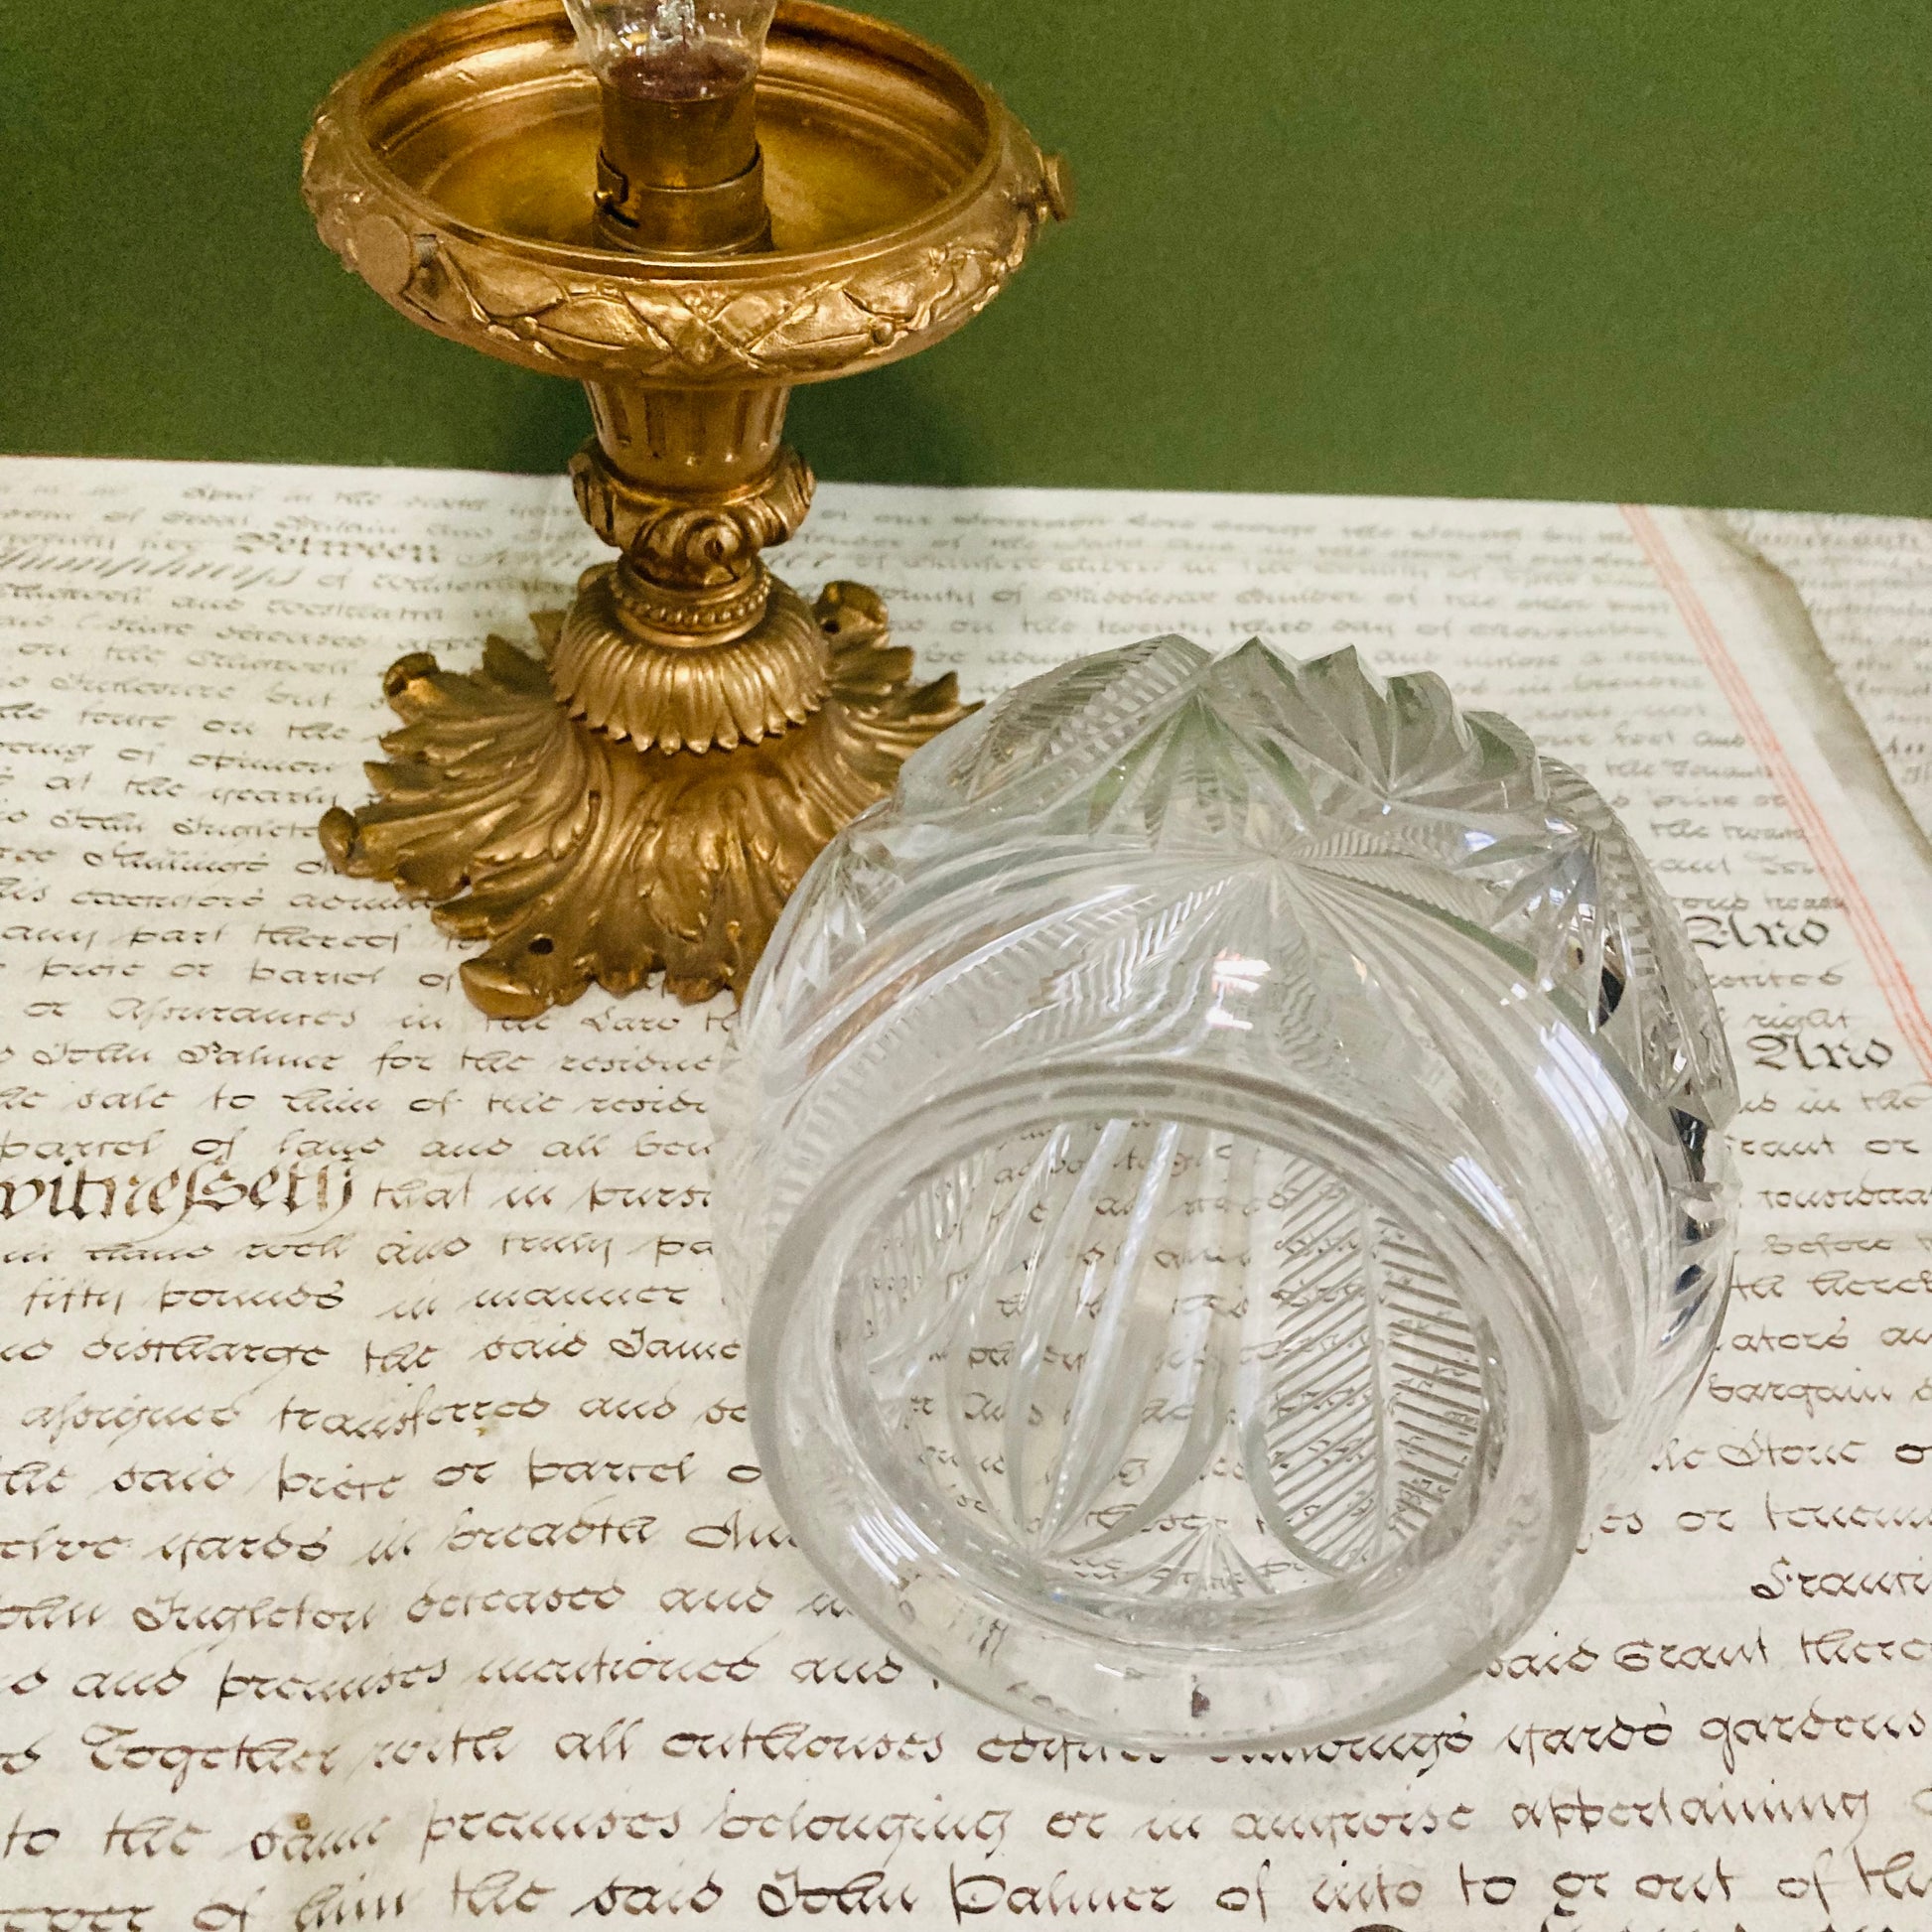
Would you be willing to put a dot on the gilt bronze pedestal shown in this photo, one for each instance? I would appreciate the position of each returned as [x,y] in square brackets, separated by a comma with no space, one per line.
[647,794]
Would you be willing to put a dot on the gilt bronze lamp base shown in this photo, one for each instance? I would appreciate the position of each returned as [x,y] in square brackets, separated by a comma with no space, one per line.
[646,795]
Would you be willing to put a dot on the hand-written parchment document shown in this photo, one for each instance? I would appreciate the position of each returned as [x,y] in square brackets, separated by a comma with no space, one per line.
[380,1542]
[1867,584]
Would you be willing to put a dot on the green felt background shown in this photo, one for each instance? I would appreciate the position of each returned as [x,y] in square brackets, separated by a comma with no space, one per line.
[1667,250]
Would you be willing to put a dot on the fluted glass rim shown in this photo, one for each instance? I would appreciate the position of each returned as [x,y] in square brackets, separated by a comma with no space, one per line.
[1373,1663]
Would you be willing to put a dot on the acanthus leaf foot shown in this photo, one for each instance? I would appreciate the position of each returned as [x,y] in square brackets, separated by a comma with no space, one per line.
[578,857]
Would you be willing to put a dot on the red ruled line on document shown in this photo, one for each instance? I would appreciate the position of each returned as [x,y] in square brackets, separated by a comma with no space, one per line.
[1886,967]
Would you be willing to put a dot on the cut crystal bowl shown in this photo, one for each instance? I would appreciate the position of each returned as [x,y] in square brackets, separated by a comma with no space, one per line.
[1220,1173]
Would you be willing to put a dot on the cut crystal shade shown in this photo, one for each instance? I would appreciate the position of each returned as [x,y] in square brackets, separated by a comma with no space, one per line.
[1224,1168]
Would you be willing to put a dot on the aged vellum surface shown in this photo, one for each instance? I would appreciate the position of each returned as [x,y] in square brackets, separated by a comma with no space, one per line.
[1866,583]
[379,1538]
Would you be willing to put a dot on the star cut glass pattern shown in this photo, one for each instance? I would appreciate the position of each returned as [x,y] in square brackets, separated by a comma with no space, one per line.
[1219,1174]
